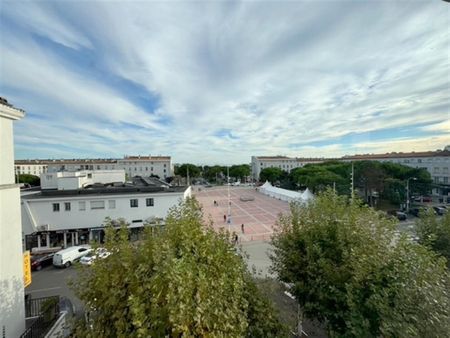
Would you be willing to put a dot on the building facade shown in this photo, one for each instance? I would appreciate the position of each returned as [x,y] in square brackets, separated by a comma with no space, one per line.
[71,215]
[437,163]
[12,309]
[160,166]
[283,162]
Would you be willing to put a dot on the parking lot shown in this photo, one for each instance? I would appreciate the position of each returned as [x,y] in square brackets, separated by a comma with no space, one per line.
[51,281]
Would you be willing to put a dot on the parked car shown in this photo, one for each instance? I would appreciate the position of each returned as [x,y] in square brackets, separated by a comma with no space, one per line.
[93,255]
[414,211]
[427,199]
[40,261]
[67,257]
[401,216]
[440,210]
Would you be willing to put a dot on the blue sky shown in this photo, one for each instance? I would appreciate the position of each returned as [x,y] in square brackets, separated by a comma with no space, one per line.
[218,82]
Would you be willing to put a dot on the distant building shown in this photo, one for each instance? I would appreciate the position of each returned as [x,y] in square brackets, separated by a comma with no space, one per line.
[283,162]
[437,163]
[12,309]
[160,166]
[71,207]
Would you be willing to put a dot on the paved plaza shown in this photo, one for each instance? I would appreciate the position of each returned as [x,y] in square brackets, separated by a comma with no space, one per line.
[258,215]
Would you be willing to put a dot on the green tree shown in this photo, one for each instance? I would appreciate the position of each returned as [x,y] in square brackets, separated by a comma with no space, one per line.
[354,273]
[182,170]
[182,280]
[30,179]
[271,174]
[240,172]
[434,232]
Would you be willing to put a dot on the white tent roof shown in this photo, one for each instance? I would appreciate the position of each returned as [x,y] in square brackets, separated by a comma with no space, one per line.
[284,194]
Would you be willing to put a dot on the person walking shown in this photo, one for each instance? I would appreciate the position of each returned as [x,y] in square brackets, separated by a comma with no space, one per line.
[224,218]
[242,228]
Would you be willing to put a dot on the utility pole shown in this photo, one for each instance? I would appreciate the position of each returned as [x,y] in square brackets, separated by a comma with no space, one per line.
[229,199]
[407,192]
[352,185]
[187,175]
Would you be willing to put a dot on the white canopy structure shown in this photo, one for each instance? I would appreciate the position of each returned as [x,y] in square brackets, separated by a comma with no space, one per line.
[285,195]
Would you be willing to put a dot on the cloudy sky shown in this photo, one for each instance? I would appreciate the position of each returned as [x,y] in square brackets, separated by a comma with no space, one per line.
[217,82]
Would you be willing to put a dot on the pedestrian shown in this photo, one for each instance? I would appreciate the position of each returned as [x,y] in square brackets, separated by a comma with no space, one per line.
[214,202]
[242,228]
[235,239]
[224,218]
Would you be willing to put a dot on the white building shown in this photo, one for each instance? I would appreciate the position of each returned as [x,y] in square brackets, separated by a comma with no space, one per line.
[283,162]
[70,180]
[31,167]
[65,217]
[437,163]
[12,309]
[160,166]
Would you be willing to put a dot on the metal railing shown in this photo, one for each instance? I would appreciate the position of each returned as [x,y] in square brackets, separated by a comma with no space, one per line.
[46,311]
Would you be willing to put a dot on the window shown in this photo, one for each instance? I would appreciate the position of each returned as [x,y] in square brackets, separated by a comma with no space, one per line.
[146,168]
[49,177]
[136,221]
[419,160]
[98,167]
[134,203]
[89,175]
[81,205]
[150,202]
[151,168]
[67,206]
[111,204]
[55,207]
[97,205]
[445,179]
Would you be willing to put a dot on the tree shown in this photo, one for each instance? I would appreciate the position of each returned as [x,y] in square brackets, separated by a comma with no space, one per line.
[182,170]
[30,179]
[182,280]
[352,272]
[434,232]
[270,174]
[240,171]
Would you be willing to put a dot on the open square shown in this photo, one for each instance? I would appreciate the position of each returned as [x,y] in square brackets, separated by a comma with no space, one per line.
[259,215]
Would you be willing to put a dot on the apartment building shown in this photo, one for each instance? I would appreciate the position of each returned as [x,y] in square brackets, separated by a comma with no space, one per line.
[12,308]
[437,163]
[31,167]
[283,162]
[74,212]
[160,166]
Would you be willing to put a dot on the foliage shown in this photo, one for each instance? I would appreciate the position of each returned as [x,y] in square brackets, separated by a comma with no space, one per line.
[30,179]
[240,171]
[182,170]
[386,178]
[434,232]
[214,173]
[182,280]
[354,273]
[271,174]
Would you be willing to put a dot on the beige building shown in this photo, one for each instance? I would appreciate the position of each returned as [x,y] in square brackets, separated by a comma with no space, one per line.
[12,309]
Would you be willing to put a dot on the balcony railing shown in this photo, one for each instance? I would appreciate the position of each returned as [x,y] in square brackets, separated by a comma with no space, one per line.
[45,312]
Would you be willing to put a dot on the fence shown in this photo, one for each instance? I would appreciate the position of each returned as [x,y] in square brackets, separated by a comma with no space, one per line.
[46,311]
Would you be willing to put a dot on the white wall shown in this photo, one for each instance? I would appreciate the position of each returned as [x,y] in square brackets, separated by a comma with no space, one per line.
[12,311]
[39,211]
[67,180]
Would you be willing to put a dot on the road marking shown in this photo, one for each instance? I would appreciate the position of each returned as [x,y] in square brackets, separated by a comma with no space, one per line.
[43,290]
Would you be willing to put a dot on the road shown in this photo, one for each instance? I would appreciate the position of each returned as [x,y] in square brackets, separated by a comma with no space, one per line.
[51,281]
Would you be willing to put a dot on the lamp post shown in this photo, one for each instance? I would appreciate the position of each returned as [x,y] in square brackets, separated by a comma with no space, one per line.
[407,192]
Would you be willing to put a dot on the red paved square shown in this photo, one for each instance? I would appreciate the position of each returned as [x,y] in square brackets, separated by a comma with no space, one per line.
[258,216]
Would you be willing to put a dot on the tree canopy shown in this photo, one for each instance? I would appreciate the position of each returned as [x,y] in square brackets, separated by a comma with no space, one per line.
[182,280]
[30,179]
[434,232]
[240,171]
[272,175]
[352,271]
[182,170]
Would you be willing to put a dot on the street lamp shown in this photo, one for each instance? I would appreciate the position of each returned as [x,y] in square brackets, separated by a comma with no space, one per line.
[407,192]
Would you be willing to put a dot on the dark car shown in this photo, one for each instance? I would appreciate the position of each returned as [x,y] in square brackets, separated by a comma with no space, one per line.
[414,211]
[40,261]
[401,216]
[440,210]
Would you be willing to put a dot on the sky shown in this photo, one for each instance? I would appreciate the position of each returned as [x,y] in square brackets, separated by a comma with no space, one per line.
[216,82]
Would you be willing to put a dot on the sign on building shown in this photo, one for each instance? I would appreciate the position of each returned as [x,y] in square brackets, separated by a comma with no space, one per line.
[26,268]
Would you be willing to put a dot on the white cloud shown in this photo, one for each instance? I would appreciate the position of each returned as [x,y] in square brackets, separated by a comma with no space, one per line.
[274,74]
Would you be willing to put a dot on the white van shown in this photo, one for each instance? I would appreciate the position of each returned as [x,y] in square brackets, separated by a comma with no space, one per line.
[66,257]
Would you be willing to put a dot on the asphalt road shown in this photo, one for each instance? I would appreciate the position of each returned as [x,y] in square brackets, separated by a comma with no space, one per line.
[51,281]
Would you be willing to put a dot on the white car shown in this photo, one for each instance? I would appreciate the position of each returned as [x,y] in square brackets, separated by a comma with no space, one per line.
[93,255]
[66,257]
